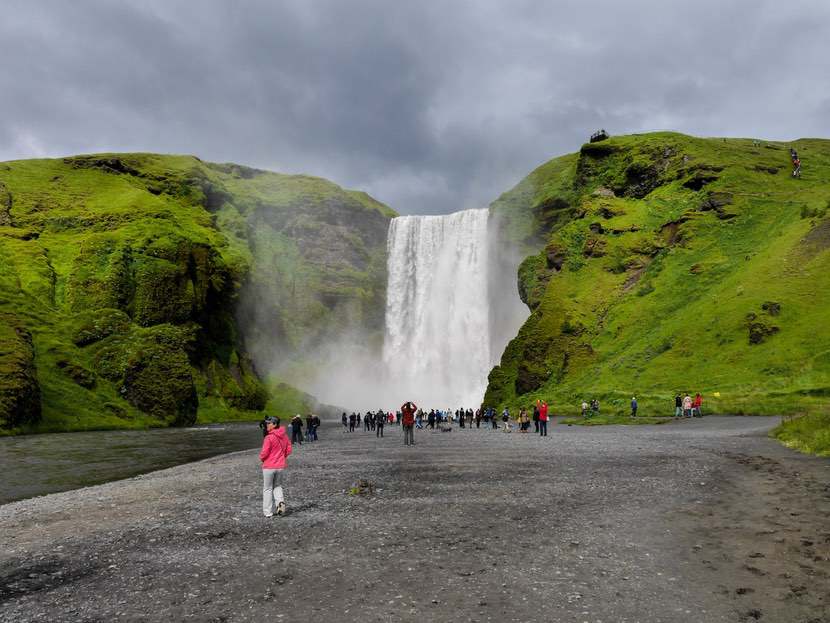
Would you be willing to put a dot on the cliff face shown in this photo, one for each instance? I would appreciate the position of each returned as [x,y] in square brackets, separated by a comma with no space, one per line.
[318,257]
[664,263]
[122,277]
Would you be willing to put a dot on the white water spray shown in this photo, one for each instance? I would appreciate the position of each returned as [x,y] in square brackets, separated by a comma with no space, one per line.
[437,347]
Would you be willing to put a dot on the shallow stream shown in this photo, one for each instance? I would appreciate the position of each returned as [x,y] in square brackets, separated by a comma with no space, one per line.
[33,465]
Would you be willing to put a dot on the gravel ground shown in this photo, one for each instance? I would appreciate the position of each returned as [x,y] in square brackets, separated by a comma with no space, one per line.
[703,520]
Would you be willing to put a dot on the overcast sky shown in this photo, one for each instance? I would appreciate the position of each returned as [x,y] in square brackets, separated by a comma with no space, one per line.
[429,106]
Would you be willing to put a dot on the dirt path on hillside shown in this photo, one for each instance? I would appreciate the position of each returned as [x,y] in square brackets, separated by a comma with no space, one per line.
[704,520]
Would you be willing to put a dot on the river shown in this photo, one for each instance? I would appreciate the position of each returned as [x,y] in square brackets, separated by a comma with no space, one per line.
[33,465]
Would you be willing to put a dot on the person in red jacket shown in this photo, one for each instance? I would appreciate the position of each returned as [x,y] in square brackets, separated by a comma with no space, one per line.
[275,450]
[408,410]
[543,417]
[696,403]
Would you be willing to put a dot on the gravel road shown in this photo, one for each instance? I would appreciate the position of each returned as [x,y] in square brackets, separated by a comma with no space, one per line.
[703,520]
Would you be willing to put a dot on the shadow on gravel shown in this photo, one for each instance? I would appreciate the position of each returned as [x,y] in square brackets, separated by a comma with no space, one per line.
[41,576]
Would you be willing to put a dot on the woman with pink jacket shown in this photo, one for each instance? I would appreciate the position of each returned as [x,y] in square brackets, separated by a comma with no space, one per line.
[275,450]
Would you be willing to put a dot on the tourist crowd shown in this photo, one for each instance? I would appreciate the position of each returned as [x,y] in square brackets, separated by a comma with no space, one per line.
[276,445]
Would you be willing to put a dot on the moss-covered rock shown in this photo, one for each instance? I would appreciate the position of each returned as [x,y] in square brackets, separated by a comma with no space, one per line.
[77,373]
[93,326]
[19,390]
[152,370]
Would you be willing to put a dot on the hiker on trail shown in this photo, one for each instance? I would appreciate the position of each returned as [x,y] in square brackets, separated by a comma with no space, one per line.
[460,415]
[408,421]
[678,406]
[297,429]
[595,407]
[535,419]
[505,418]
[358,419]
[367,421]
[478,417]
[493,422]
[380,420]
[543,418]
[470,419]
[352,421]
[687,406]
[584,409]
[634,406]
[345,420]
[419,420]
[696,405]
[275,450]
[796,162]
[431,419]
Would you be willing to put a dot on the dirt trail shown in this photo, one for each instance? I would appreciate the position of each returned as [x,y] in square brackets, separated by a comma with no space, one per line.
[704,520]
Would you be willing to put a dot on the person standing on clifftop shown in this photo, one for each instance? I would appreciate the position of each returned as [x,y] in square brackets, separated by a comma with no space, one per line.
[276,447]
[408,420]
[543,418]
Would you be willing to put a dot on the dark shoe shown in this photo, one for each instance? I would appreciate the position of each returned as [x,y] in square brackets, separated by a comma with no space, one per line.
[281,508]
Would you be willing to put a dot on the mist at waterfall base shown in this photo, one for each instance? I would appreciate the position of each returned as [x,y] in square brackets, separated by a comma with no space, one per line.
[452,305]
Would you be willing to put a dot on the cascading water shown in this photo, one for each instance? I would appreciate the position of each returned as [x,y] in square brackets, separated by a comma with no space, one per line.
[437,347]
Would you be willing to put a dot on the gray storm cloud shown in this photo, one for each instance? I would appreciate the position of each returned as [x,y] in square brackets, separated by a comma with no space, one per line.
[431,108]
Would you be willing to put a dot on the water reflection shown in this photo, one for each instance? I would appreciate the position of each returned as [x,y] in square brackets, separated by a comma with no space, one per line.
[39,464]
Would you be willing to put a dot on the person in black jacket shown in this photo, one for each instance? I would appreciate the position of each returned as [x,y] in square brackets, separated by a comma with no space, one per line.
[380,420]
[297,429]
[315,424]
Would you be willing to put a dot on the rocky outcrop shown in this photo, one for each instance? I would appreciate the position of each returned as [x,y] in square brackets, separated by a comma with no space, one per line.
[19,390]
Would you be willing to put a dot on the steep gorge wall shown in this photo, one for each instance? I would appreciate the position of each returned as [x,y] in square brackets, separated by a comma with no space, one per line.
[665,263]
[126,270]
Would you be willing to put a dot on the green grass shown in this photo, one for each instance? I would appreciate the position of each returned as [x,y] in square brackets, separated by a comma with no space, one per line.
[170,243]
[809,434]
[659,290]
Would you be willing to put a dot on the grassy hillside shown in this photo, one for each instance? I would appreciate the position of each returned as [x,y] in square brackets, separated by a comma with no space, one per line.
[121,277]
[672,264]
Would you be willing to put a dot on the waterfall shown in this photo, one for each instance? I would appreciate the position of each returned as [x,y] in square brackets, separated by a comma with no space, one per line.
[437,346]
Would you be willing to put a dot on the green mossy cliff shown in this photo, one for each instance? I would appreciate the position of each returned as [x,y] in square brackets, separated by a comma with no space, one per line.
[663,263]
[123,276]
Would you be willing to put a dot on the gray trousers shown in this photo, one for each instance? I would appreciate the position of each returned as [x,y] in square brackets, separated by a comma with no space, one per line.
[271,490]
[409,435]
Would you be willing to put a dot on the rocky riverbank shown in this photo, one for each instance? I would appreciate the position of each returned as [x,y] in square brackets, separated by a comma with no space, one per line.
[691,521]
